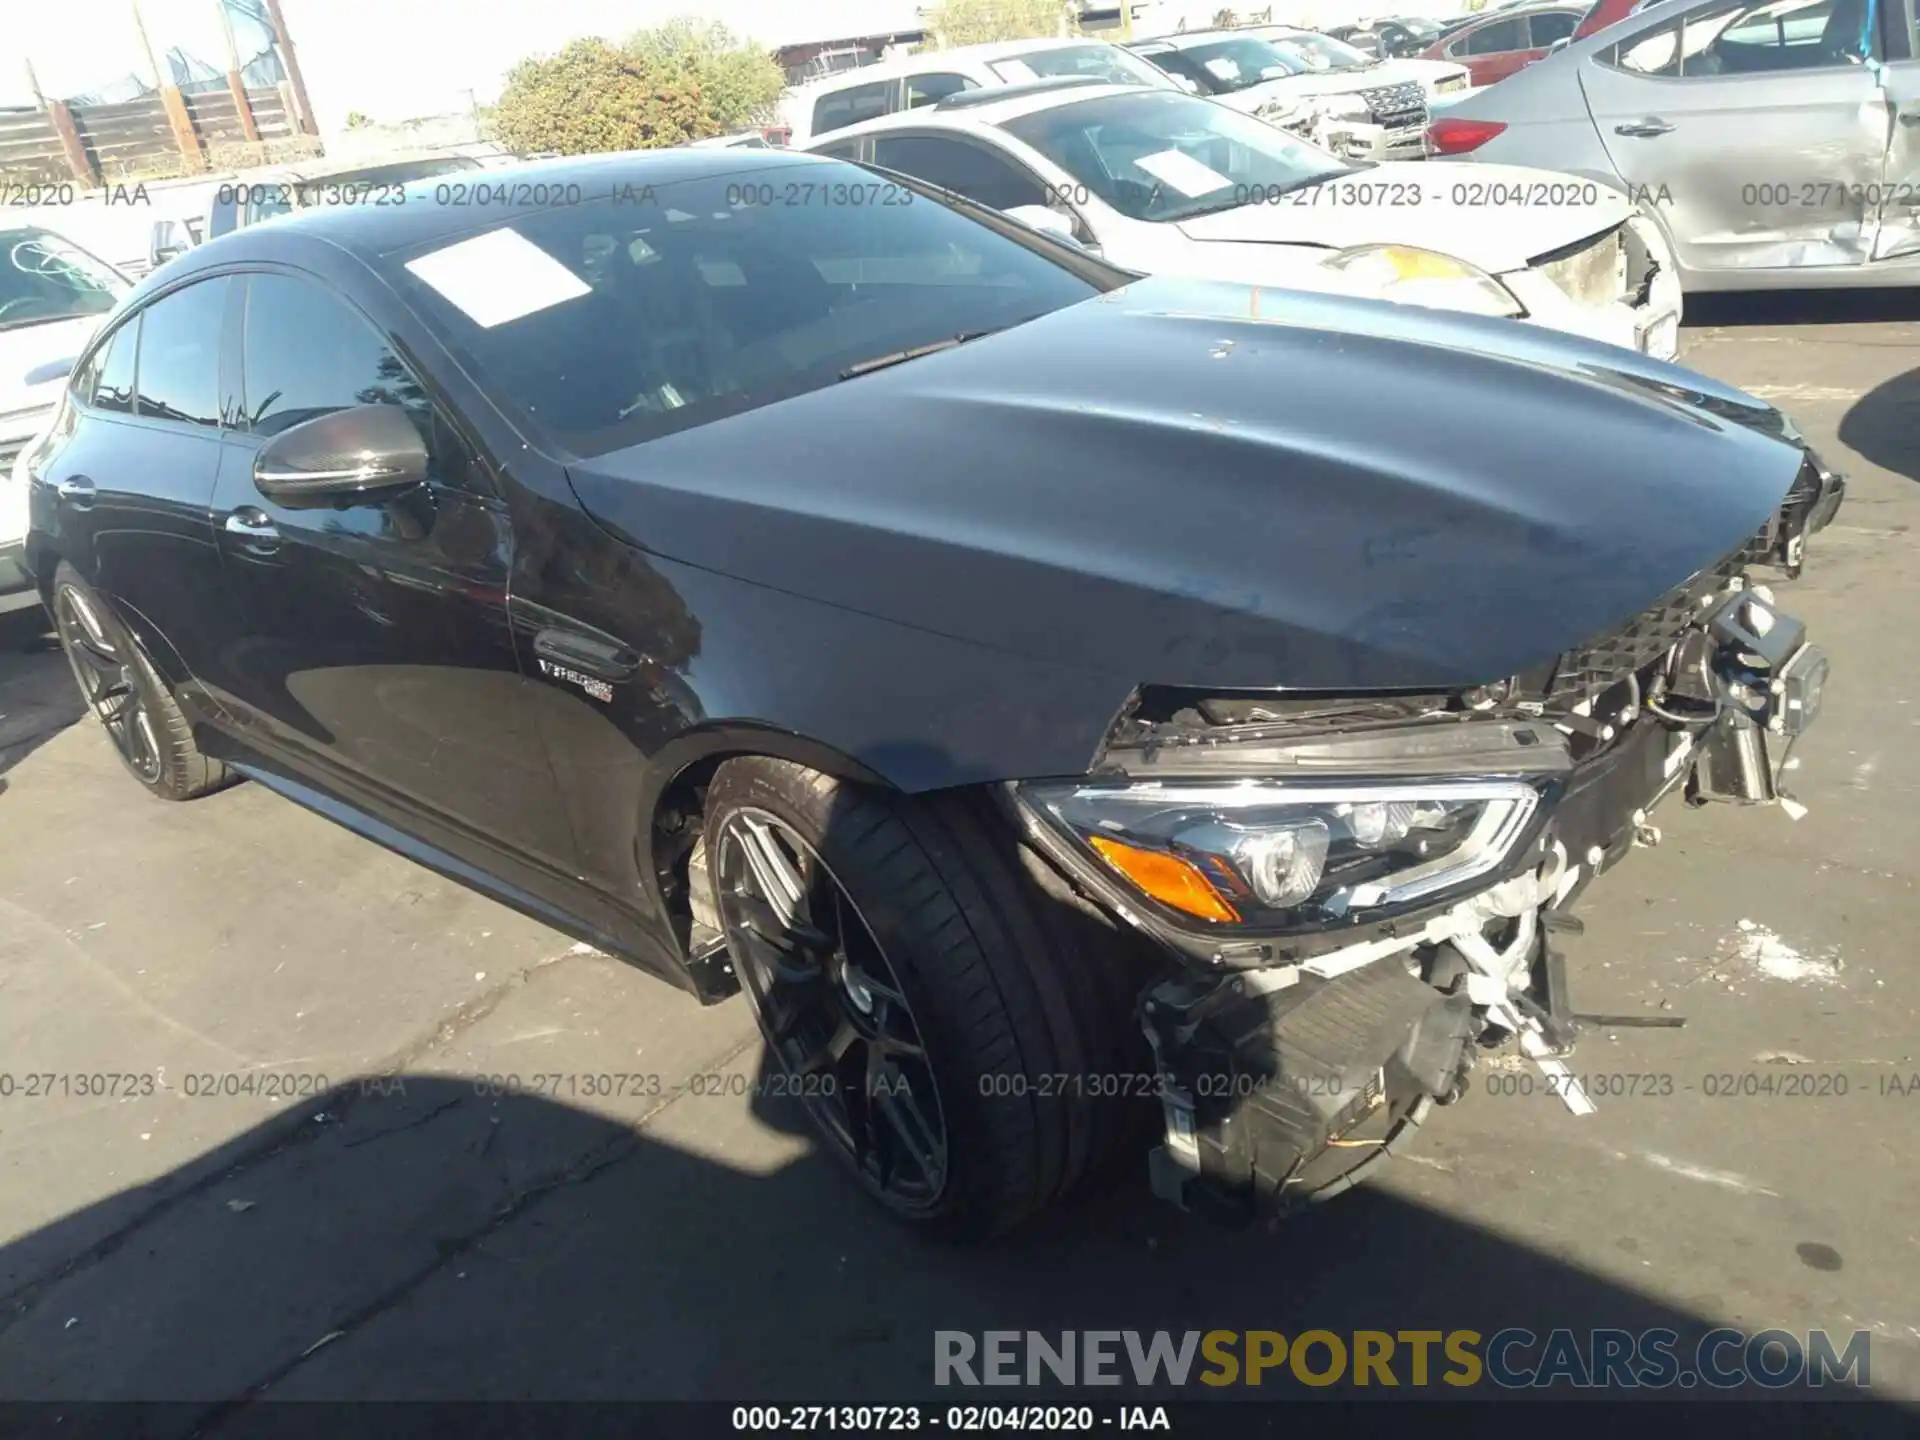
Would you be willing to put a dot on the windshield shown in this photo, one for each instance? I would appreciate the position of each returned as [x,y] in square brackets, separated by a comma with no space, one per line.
[1109,62]
[657,307]
[1320,53]
[1163,156]
[1224,66]
[44,278]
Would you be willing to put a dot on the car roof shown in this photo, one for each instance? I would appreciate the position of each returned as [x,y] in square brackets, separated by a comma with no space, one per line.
[978,113]
[1187,39]
[938,59]
[320,167]
[372,230]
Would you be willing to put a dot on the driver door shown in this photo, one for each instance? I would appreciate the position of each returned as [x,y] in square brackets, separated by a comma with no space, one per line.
[366,644]
[1748,129]
[1898,233]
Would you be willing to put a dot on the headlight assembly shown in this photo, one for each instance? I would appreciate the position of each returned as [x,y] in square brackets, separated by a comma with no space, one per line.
[1426,277]
[1280,856]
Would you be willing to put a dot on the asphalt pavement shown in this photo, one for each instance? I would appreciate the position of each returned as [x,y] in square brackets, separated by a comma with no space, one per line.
[312,1179]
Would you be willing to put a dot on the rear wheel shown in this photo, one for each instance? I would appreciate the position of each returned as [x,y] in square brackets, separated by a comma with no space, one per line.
[128,697]
[962,1038]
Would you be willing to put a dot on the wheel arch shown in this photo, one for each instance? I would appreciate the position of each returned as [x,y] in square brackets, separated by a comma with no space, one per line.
[671,804]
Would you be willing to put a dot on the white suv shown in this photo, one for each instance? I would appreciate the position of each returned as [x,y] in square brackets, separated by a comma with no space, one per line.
[822,106]
[53,296]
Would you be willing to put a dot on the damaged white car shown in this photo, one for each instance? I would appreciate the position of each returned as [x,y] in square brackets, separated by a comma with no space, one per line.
[1167,183]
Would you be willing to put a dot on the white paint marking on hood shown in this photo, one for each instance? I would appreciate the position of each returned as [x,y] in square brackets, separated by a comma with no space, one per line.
[1726,1179]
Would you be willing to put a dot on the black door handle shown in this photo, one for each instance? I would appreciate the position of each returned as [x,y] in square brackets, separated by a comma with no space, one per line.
[599,658]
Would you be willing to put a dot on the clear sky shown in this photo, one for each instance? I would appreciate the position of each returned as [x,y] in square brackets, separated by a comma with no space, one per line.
[392,59]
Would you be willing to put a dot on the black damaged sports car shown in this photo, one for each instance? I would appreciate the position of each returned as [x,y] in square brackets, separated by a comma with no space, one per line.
[1057,698]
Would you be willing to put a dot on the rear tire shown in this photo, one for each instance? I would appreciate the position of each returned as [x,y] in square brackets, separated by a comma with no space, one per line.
[126,694]
[1022,1000]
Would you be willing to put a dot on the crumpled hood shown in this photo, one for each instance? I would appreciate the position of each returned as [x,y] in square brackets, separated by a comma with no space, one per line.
[1497,238]
[1193,483]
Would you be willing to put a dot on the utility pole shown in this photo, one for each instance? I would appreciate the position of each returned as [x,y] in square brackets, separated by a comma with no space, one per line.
[285,41]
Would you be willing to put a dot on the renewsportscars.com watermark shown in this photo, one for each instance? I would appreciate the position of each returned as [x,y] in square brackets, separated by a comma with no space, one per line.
[1513,1359]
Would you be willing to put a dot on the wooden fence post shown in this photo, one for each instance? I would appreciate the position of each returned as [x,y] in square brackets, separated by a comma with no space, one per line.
[61,118]
[236,83]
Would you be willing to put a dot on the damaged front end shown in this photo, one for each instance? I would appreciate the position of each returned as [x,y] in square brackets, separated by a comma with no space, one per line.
[1364,892]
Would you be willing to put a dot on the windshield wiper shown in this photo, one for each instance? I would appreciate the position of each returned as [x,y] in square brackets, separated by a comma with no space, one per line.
[900,357]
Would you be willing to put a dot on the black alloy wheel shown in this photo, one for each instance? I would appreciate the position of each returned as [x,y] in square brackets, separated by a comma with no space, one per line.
[832,1009]
[110,683]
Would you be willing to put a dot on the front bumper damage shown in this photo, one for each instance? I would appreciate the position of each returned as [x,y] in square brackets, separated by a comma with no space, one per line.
[1287,1073]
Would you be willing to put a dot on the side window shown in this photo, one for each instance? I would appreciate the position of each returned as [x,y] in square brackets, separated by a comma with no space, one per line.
[852,105]
[107,382]
[178,374]
[926,89]
[1545,28]
[306,353]
[1655,53]
[1496,38]
[844,150]
[969,170]
[1745,39]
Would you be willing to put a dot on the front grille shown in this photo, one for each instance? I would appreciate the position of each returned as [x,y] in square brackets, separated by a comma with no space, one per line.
[1592,272]
[1397,106]
[1611,658]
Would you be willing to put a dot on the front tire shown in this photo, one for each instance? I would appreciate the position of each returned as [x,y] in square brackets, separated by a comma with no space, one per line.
[961,1033]
[126,694]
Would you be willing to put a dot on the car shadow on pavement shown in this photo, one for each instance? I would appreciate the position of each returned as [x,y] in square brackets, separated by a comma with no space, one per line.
[1881,425]
[415,1238]
[38,698]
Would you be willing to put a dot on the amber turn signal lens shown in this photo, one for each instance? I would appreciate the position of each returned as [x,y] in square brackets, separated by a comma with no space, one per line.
[1167,878]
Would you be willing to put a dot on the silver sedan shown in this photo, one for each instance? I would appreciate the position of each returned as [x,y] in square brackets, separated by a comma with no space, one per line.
[1777,142]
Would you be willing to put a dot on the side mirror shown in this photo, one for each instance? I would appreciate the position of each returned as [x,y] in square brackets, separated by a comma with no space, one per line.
[370,452]
[1048,221]
[165,242]
[1560,44]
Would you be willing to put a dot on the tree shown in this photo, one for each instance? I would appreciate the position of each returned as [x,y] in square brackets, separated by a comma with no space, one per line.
[739,83]
[594,97]
[357,120]
[975,22]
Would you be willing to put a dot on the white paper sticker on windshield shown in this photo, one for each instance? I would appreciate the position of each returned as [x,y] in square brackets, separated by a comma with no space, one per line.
[1183,173]
[498,276]
[1223,69]
[1015,71]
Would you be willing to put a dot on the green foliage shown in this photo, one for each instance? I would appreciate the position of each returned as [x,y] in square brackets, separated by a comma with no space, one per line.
[594,97]
[739,83]
[357,120]
[976,22]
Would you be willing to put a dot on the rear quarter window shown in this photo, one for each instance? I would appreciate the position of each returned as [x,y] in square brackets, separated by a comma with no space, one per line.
[840,108]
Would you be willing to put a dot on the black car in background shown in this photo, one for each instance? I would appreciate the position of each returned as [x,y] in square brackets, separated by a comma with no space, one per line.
[1036,686]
